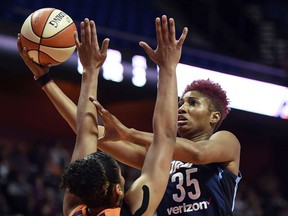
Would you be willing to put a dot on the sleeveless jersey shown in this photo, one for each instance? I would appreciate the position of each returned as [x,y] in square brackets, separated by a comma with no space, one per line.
[82,210]
[198,190]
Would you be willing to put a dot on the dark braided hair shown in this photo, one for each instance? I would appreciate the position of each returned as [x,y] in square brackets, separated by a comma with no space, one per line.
[92,179]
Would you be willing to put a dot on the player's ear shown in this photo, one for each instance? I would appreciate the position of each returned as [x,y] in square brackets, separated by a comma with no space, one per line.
[119,190]
[215,117]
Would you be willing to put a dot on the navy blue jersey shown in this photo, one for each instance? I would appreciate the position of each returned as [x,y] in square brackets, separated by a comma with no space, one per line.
[198,190]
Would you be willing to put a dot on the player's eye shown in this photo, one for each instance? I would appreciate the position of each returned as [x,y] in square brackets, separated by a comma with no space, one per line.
[192,102]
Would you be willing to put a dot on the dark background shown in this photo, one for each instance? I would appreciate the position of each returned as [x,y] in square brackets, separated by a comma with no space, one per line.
[240,37]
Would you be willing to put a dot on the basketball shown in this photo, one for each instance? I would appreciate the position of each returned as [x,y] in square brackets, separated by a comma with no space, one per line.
[48,34]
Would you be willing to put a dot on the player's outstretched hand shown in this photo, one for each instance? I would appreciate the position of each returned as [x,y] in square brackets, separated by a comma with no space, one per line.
[89,50]
[114,129]
[168,51]
[36,69]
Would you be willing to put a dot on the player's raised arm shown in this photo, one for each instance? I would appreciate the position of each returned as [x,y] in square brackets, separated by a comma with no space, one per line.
[146,192]
[92,58]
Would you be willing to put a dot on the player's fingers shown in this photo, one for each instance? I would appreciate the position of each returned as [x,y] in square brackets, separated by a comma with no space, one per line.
[76,39]
[82,33]
[107,118]
[87,30]
[105,45]
[172,31]
[19,43]
[158,30]
[94,39]
[20,49]
[183,36]
[95,102]
[146,48]
[99,107]
[165,29]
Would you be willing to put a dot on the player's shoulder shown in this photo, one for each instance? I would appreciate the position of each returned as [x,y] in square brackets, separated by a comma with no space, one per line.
[225,136]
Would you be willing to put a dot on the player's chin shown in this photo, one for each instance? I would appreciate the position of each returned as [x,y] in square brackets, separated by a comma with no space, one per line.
[182,127]
[183,132]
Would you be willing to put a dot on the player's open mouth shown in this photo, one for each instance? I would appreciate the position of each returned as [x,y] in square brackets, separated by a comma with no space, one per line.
[181,120]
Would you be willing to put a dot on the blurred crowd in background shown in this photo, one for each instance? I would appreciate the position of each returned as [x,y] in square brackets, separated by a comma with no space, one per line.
[30,173]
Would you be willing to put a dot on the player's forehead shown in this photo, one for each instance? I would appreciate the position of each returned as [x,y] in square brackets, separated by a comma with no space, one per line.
[193,94]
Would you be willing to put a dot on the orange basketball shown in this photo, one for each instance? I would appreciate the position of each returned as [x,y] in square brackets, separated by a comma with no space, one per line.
[48,34]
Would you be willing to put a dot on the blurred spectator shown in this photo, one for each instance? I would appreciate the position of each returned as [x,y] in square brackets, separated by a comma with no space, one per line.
[18,193]
[247,202]
[270,190]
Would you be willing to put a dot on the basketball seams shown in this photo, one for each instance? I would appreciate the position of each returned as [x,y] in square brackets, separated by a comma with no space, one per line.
[52,50]
[28,39]
[31,25]
[45,55]
[72,23]
[45,41]
[58,47]
[47,19]
[59,31]
[27,31]
[39,51]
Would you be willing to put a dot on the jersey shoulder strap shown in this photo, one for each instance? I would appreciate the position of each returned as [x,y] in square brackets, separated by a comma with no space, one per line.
[80,210]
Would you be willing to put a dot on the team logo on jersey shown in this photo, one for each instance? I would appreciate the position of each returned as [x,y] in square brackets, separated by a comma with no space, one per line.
[175,165]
